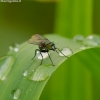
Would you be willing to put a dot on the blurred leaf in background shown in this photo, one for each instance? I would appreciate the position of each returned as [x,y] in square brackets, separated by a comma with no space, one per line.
[74,17]
[96,16]
[19,21]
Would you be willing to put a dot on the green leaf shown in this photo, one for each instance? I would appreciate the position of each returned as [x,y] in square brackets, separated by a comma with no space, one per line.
[27,78]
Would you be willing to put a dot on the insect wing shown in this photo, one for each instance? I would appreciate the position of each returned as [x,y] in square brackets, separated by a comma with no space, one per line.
[38,39]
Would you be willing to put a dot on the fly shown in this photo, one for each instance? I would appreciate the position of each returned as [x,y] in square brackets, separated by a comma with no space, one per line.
[44,46]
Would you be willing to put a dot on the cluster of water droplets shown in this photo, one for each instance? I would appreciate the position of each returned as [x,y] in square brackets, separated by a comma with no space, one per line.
[89,41]
[27,72]
[14,47]
[40,74]
[64,52]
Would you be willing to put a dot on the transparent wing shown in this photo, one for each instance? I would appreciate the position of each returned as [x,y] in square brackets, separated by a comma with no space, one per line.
[38,39]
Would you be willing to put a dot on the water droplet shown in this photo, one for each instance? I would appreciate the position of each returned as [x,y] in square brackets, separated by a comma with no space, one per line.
[40,74]
[6,63]
[45,55]
[10,47]
[82,47]
[25,73]
[78,38]
[92,40]
[66,52]
[33,70]
[14,47]
[16,93]
[3,78]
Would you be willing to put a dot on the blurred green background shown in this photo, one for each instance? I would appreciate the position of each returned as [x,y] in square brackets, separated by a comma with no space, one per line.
[19,21]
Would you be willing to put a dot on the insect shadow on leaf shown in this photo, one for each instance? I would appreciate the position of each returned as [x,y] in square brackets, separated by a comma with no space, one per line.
[44,46]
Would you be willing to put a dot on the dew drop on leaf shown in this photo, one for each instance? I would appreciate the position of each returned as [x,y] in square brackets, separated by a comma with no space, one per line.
[6,64]
[16,93]
[78,38]
[45,55]
[90,43]
[95,38]
[3,78]
[92,40]
[25,73]
[66,52]
[14,47]
[40,74]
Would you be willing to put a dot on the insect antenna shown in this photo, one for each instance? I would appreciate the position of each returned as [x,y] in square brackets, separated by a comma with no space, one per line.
[50,59]
[60,52]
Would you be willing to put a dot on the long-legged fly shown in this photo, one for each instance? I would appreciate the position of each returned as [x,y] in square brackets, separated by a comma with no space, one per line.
[44,45]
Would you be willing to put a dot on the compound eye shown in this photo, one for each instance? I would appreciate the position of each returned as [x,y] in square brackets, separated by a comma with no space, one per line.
[52,44]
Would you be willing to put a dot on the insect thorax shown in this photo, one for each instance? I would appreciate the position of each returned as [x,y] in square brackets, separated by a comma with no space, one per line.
[45,47]
[50,46]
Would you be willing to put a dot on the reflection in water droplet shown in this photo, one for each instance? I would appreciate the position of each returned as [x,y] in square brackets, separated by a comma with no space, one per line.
[16,93]
[14,47]
[6,63]
[66,52]
[25,73]
[41,74]
[78,38]
[33,70]
[82,47]
[92,40]
[3,78]
[45,55]
[90,37]
[10,47]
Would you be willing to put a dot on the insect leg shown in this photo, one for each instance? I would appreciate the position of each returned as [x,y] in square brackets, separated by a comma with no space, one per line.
[50,59]
[56,51]
[61,52]
[40,53]
[35,53]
